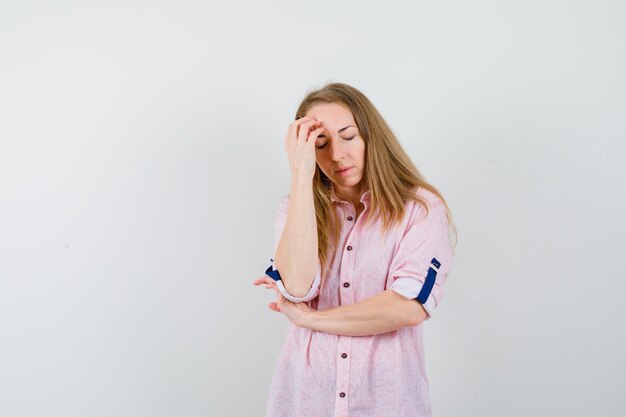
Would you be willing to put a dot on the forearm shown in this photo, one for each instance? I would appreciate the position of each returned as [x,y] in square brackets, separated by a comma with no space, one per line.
[382,313]
[296,255]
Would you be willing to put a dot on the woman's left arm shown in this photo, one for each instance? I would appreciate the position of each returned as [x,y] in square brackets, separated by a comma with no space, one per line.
[382,313]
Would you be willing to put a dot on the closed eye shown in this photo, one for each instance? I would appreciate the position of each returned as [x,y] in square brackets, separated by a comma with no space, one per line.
[324,145]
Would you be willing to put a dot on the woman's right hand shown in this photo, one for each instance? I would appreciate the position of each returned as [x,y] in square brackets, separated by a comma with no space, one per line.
[300,147]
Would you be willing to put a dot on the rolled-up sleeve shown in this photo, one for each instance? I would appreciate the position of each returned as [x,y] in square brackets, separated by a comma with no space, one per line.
[424,258]
[280,219]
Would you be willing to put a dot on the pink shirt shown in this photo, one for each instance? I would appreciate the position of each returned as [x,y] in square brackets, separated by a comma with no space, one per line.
[326,375]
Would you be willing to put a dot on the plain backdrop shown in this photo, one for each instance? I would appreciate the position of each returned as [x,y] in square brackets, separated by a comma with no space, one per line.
[142,159]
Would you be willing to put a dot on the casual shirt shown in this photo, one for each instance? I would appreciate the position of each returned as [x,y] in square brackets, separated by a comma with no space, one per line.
[320,374]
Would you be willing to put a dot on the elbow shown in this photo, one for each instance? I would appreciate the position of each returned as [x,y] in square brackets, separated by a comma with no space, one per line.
[407,312]
[414,321]
[412,311]
[298,288]
[297,292]
[286,275]
[416,314]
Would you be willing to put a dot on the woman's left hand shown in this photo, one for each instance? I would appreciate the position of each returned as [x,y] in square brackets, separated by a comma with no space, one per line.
[297,313]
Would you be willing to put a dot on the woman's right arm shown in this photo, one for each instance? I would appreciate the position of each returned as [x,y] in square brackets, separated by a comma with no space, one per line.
[296,256]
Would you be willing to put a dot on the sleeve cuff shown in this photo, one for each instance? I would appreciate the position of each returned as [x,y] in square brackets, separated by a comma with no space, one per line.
[410,288]
[313,291]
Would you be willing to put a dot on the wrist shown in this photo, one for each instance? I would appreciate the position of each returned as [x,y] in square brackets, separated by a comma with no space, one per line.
[299,184]
[308,320]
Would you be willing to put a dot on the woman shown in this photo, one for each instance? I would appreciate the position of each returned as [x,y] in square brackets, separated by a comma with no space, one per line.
[361,253]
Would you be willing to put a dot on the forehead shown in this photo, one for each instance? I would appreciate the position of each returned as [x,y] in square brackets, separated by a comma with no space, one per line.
[331,114]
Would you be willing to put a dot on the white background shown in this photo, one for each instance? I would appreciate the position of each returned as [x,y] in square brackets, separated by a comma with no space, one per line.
[142,159]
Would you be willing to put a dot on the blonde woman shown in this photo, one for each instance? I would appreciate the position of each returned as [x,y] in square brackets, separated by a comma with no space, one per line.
[361,254]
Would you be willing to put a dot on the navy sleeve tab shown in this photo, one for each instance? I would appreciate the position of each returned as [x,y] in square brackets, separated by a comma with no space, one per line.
[272,274]
[429,283]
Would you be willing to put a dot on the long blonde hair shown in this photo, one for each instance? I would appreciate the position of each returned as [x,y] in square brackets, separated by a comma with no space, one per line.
[390,175]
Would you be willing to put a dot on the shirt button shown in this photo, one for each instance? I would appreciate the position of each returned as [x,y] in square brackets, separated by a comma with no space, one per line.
[346,284]
[342,394]
[344,355]
[349,247]
[349,217]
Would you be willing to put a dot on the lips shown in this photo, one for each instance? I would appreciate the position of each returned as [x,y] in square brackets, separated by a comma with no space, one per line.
[343,169]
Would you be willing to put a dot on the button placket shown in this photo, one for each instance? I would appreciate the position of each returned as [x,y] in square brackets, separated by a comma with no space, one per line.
[344,344]
[343,376]
[347,297]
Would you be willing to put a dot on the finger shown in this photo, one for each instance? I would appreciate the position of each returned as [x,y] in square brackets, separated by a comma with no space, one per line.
[314,134]
[304,129]
[269,283]
[274,307]
[259,281]
[293,127]
[292,130]
[303,119]
[265,281]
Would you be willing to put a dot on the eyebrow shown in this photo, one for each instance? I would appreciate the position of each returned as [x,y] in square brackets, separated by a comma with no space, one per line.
[339,131]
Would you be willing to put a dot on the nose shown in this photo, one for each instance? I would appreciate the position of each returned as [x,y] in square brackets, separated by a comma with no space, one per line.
[336,152]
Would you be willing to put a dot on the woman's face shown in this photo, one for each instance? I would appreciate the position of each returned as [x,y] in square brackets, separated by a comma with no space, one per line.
[339,146]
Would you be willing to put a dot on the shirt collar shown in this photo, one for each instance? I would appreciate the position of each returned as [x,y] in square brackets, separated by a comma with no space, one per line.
[364,198]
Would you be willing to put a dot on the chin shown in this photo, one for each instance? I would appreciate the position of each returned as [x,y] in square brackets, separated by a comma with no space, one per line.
[351,182]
